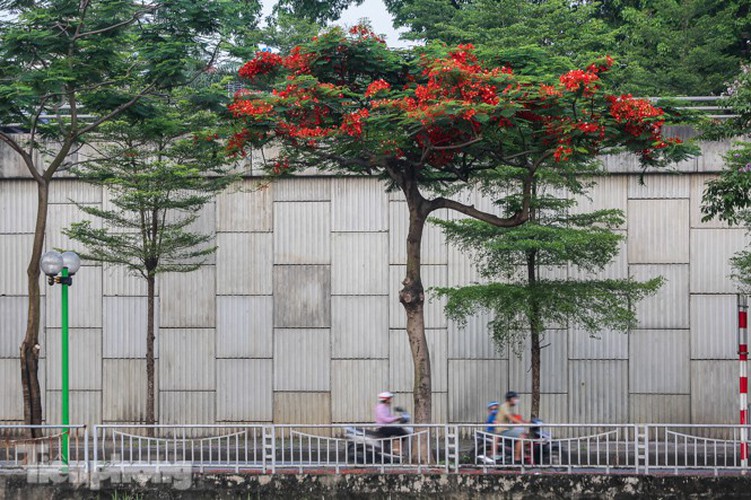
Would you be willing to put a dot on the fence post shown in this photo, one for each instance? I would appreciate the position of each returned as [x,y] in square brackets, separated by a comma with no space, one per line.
[451,443]
[269,449]
[743,376]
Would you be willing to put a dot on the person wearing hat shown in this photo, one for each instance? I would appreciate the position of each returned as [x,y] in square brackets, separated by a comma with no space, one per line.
[492,412]
[507,415]
[384,417]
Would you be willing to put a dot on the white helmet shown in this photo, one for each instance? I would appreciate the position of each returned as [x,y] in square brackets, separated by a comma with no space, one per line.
[385,395]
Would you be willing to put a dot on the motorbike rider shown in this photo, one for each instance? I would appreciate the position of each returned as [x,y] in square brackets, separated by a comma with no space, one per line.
[492,412]
[507,415]
[384,417]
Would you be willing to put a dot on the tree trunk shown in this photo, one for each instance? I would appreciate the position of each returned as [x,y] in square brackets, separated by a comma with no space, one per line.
[29,350]
[535,331]
[150,384]
[412,297]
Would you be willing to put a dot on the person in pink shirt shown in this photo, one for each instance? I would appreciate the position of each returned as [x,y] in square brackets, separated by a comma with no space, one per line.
[384,417]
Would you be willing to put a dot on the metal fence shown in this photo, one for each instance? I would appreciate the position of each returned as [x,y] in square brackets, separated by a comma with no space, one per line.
[565,448]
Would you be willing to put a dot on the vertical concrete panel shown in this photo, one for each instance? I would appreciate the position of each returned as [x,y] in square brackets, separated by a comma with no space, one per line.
[124,390]
[13,311]
[658,231]
[302,408]
[125,322]
[659,186]
[244,390]
[553,364]
[187,360]
[598,391]
[85,407]
[302,233]
[712,152]
[187,407]
[358,204]
[359,327]
[360,264]
[711,251]
[302,296]
[84,358]
[659,362]
[84,300]
[714,392]
[245,206]
[668,308]
[17,206]
[188,299]
[432,276]
[662,408]
[714,327]
[434,249]
[606,344]
[302,189]
[244,263]
[244,327]
[473,340]
[354,386]
[64,191]
[462,270]
[61,217]
[11,402]
[472,383]
[14,252]
[609,192]
[302,360]
[118,281]
[401,367]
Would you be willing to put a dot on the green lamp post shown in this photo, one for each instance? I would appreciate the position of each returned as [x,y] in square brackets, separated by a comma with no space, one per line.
[65,264]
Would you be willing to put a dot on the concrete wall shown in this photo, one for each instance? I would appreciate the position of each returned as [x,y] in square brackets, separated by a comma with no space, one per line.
[296,318]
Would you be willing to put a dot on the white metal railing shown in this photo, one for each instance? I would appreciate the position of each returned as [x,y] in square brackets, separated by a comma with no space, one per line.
[447,448]
[19,450]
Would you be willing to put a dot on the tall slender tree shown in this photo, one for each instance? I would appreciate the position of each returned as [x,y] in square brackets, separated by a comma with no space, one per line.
[440,120]
[69,66]
[517,263]
[159,173]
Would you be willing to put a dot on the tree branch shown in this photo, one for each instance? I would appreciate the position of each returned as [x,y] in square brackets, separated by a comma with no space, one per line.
[470,210]
[27,159]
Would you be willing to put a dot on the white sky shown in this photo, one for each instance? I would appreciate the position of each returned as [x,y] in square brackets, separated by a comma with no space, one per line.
[374,10]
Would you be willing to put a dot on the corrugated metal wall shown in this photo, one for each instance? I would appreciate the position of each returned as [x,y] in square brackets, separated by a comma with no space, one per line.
[297,318]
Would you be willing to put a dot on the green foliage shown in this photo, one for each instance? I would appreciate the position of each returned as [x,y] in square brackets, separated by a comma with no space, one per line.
[159,173]
[664,47]
[318,11]
[556,236]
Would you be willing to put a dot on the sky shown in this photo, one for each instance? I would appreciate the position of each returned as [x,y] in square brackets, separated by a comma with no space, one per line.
[373,10]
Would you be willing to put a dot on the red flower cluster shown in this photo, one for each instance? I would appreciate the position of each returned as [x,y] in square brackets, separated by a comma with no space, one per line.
[562,153]
[638,115]
[254,108]
[578,78]
[352,123]
[263,63]
[363,31]
[377,86]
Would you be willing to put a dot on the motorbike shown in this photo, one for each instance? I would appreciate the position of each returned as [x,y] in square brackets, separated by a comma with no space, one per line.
[493,449]
[365,446]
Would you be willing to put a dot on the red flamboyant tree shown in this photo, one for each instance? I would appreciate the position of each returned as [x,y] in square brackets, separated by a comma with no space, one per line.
[436,120]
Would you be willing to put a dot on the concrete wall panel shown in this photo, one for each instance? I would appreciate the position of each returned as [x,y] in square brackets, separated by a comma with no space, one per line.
[124,390]
[360,264]
[301,233]
[659,408]
[302,360]
[553,364]
[659,362]
[434,249]
[711,250]
[84,358]
[244,390]
[17,206]
[473,340]
[125,322]
[84,300]
[659,186]
[187,360]
[244,327]
[401,367]
[669,307]
[358,205]
[658,231]
[187,407]
[187,299]
[244,263]
[302,407]
[605,344]
[714,392]
[85,407]
[472,384]
[12,408]
[714,327]
[302,296]
[598,391]
[245,206]
[359,326]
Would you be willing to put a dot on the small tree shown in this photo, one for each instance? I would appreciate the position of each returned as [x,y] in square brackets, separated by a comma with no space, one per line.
[433,122]
[524,300]
[69,66]
[159,173]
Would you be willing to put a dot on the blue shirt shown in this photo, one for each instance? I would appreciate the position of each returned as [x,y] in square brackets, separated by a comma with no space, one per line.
[490,420]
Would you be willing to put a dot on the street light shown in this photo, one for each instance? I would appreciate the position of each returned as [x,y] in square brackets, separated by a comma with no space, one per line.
[66,265]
